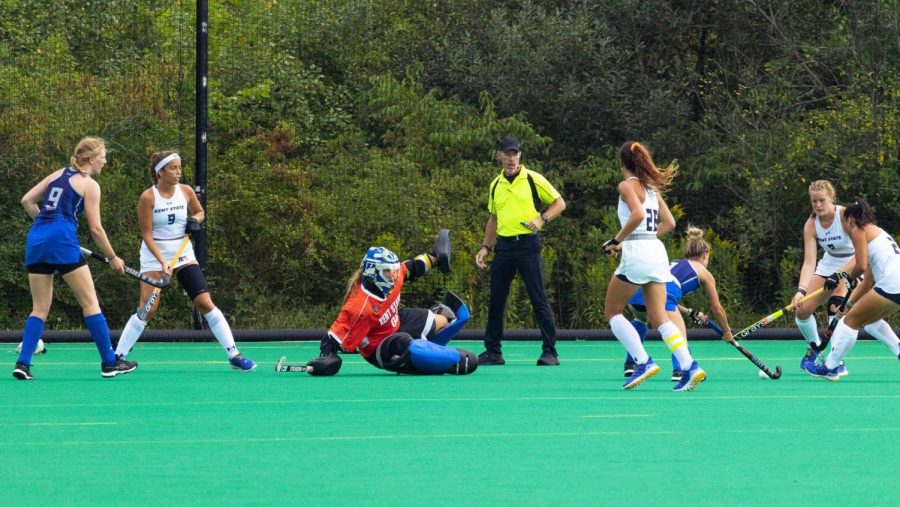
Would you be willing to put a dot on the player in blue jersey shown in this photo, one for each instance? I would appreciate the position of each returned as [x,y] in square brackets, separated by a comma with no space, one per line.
[52,246]
[689,274]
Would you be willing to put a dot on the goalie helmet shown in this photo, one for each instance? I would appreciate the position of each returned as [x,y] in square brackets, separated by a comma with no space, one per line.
[382,267]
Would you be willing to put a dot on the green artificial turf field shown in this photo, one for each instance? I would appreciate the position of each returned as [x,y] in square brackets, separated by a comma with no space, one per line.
[186,429]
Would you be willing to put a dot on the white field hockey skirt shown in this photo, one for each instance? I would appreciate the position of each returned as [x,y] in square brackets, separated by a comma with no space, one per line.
[168,247]
[644,261]
[829,264]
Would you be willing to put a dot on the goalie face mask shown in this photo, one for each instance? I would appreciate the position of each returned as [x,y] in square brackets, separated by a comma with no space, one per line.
[381,267]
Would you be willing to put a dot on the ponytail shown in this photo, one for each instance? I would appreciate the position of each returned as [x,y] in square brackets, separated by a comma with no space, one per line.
[635,157]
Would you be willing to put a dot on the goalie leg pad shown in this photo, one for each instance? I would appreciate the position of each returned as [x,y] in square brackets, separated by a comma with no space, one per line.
[441,250]
[431,358]
[447,334]
[468,363]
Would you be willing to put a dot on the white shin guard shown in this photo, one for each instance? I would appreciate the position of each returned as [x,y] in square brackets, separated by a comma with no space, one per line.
[842,341]
[882,332]
[629,338]
[809,329]
[222,331]
[130,335]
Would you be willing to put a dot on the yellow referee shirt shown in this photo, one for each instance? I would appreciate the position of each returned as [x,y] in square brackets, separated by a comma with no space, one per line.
[513,202]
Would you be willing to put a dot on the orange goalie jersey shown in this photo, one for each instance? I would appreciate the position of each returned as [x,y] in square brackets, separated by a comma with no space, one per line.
[366,319]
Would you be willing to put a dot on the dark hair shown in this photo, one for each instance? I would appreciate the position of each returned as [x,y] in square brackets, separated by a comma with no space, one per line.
[154,159]
[860,212]
[635,157]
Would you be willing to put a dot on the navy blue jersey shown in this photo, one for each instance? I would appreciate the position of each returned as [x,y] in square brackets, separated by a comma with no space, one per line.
[61,202]
[53,237]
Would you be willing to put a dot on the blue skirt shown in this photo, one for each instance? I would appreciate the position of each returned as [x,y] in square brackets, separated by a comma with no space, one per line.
[53,242]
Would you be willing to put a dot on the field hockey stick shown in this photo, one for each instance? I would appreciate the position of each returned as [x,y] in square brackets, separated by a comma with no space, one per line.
[774,375]
[756,326]
[144,311]
[280,367]
[129,271]
[826,336]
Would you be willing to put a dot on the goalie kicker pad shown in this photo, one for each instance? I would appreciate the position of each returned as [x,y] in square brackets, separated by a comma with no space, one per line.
[431,358]
[458,316]
[441,250]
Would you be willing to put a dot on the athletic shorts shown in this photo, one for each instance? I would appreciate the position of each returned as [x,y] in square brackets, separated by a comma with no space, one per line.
[644,261]
[673,297]
[168,248]
[417,322]
[45,268]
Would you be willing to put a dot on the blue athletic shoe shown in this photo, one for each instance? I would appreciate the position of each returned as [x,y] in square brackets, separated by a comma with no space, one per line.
[239,362]
[641,373]
[842,371]
[822,371]
[690,378]
[809,357]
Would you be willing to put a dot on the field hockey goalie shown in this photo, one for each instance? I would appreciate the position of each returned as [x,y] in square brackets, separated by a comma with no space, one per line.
[402,340]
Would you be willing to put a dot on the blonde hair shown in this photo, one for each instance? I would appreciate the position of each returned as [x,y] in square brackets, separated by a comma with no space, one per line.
[823,186]
[353,283]
[154,159]
[695,246]
[85,150]
[635,157]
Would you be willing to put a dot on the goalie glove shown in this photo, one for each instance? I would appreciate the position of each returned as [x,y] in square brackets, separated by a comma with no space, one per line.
[441,251]
[326,365]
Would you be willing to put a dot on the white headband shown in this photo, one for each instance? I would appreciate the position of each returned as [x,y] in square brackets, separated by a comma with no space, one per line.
[162,163]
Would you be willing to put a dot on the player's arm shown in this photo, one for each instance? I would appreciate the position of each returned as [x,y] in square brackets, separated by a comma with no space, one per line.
[666,220]
[145,222]
[809,260]
[92,214]
[31,201]
[708,281]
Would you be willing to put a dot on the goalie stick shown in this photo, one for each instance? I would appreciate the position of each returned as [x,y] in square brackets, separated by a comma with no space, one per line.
[281,367]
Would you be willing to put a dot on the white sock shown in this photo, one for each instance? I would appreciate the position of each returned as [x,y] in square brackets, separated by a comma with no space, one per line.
[842,341]
[809,329]
[882,332]
[130,335]
[671,336]
[629,338]
[222,331]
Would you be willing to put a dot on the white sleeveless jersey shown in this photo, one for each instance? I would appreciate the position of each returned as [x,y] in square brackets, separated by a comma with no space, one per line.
[650,221]
[643,256]
[835,242]
[884,259]
[170,216]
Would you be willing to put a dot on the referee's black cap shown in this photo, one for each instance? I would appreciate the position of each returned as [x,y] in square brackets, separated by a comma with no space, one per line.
[509,143]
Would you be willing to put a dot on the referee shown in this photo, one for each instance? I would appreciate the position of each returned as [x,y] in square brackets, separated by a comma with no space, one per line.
[514,203]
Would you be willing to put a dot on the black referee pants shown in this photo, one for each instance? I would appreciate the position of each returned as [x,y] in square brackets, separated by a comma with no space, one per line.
[520,254]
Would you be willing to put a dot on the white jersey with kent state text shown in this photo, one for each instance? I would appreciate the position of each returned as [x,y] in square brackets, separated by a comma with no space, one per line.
[643,256]
[835,242]
[170,216]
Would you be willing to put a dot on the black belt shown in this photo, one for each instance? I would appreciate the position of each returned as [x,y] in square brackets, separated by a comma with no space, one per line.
[520,237]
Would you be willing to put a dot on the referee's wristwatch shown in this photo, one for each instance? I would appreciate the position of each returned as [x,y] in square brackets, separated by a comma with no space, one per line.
[545,218]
